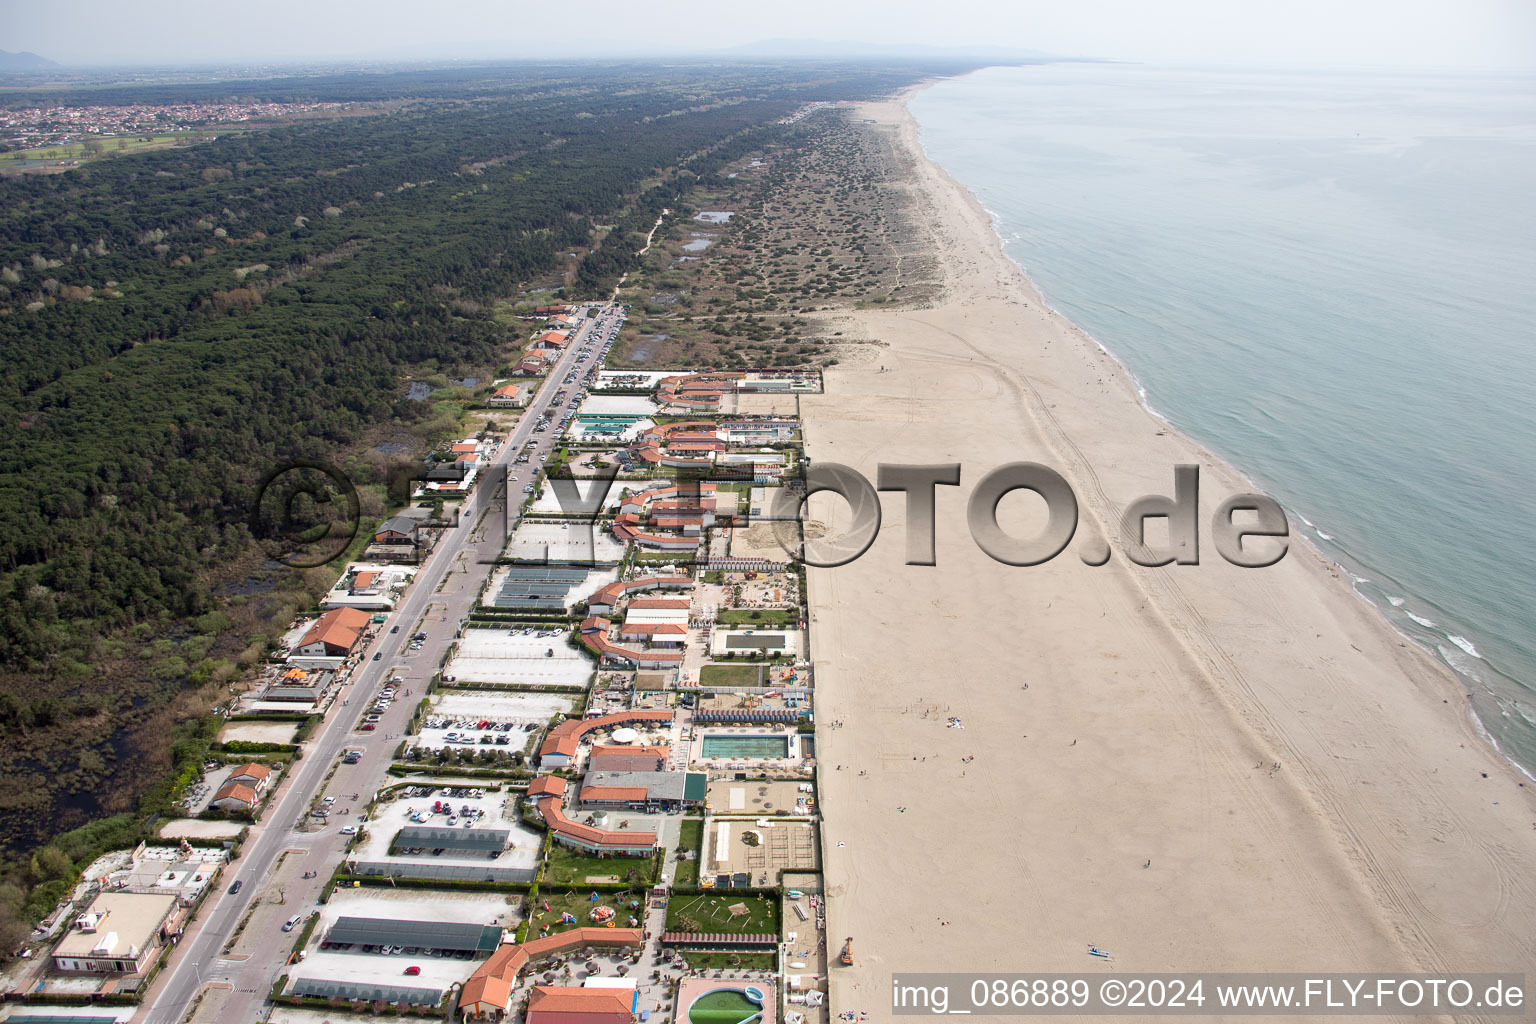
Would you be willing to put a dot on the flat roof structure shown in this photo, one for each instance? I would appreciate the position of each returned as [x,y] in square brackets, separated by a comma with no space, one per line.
[368,987]
[538,587]
[649,786]
[377,931]
[116,928]
[463,840]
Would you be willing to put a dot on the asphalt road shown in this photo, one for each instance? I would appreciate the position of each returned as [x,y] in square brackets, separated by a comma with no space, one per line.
[437,603]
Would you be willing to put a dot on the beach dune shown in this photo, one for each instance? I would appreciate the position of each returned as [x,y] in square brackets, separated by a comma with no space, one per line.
[1190,767]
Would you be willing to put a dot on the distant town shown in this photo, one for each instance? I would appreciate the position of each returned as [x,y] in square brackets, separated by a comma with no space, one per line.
[63,125]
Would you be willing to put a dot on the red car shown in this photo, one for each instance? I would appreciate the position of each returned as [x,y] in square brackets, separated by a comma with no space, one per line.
[413,970]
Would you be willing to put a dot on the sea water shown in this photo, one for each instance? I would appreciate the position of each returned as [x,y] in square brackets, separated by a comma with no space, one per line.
[1330,280]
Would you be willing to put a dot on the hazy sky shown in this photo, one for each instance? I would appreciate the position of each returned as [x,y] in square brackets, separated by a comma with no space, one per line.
[1459,33]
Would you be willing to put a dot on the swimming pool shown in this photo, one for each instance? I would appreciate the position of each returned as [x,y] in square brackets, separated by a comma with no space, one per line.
[724,1006]
[746,746]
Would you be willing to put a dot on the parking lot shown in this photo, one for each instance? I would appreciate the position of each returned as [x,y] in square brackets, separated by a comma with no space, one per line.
[556,541]
[512,720]
[499,655]
[200,793]
[357,968]
[419,905]
[497,811]
[595,581]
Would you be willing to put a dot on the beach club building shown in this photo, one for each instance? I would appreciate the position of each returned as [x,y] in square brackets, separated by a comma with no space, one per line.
[510,396]
[233,796]
[622,757]
[396,530]
[639,791]
[119,933]
[487,995]
[560,746]
[243,789]
[335,634]
[594,635]
[549,1004]
[606,599]
[657,620]
[549,800]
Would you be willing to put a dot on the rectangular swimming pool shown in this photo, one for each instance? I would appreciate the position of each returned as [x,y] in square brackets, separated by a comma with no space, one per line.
[746,746]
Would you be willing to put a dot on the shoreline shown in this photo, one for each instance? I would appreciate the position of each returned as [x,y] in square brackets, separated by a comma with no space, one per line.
[1145,719]
[1456,681]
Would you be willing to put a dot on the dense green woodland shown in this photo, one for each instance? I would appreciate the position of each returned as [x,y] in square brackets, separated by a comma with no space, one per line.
[176,322]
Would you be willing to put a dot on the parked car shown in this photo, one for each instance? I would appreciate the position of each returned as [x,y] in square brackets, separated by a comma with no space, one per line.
[349,830]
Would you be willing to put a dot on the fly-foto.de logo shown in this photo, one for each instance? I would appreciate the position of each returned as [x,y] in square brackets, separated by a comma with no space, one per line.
[1249,530]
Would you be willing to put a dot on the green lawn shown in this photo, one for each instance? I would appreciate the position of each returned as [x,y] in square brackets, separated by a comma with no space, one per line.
[569,867]
[690,837]
[708,912]
[103,147]
[775,617]
[749,674]
[727,961]
[579,904]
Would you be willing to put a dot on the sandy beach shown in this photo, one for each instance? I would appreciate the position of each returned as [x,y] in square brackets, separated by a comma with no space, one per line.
[1191,767]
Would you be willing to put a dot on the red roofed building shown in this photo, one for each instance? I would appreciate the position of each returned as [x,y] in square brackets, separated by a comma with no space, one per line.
[513,396]
[546,785]
[333,635]
[606,757]
[533,364]
[667,634]
[608,597]
[559,747]
[551,1004]
[594,634]
[487,995]
[252,774]
[235,796]
[587,838]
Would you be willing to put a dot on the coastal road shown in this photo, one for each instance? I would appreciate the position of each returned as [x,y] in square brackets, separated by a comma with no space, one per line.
[438,602]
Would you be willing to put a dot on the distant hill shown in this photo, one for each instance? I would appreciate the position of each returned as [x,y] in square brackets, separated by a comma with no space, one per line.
[827,48]
[24,61]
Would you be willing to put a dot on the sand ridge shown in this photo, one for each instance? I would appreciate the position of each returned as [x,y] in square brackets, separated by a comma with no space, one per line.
[1194,768]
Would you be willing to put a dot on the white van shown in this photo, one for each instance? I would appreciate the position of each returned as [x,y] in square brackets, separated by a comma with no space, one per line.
[295,919]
